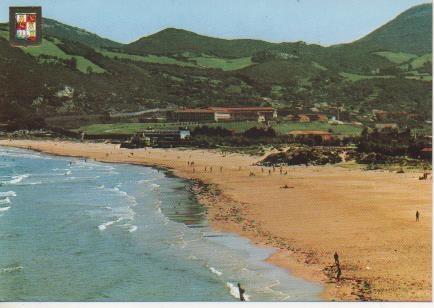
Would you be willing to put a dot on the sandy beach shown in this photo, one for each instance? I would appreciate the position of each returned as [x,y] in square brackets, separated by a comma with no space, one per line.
[367,217]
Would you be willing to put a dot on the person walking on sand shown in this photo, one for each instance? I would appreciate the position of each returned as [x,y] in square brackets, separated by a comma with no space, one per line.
[242,291]
[338,273]
[221,168]
[417,216]
[336,256]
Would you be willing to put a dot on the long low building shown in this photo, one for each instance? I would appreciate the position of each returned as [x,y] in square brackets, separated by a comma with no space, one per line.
[218,114]
[305,134]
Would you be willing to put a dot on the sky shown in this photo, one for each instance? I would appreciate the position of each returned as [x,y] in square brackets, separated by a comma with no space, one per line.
[324,22]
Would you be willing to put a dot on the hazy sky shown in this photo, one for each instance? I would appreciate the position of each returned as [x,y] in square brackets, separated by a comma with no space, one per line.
[314,21]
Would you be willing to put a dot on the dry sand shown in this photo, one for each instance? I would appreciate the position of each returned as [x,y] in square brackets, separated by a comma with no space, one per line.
[368,217]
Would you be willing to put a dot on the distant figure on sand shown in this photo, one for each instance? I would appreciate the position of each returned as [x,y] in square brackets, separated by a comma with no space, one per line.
[417,215]
[336,256]
[338,273]
[242,291]
[269,172]
[221,169]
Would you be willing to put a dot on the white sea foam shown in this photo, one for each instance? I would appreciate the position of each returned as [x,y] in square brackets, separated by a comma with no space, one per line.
[213,270]
[132,229]
[11,269]
[104,226]
[5,200]
[143,181]
[155,186]
[18,178]
[4,209]
[35,183]
[68,172]
[233,290]
[8,194]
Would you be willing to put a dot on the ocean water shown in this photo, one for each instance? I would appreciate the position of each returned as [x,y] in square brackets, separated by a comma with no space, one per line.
[76,230]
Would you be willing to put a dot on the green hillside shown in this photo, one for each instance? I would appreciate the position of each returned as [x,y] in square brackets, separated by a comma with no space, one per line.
[396,57]
[410,32]
[76,73]
[177,41]
[53,28]
[49,51]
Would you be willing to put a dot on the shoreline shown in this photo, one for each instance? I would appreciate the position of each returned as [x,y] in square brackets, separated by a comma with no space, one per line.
[231,208]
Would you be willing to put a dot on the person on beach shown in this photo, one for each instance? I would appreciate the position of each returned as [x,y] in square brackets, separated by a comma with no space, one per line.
[336,256]
[338,273]
[417,215]
[269,172]
[242,291]
[210,169]
[221,168]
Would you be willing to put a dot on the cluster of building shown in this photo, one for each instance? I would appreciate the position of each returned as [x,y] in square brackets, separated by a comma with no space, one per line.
[381,115]
[221,114]
[308,117]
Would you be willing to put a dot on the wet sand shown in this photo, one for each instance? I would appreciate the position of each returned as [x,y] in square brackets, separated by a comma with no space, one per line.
[368,217]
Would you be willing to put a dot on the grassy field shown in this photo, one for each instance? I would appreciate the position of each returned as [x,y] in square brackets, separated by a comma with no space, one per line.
[319,66]
[223,64]
[281,128]
[396,57]
[4,34]
[420,77]
[202,61]
[148,58]
[420,61]
[50,49]
[356,77]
